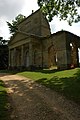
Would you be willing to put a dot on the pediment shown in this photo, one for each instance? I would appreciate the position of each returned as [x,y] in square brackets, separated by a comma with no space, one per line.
[17,37]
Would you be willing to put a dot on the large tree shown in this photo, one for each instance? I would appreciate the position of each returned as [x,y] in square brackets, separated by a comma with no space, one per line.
[64,9]
[13,26]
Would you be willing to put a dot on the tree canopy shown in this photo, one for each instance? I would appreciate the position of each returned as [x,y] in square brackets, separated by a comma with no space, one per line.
[13,26]
[64,9]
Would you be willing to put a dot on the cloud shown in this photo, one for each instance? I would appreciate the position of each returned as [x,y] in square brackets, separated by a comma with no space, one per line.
[9,8]
[29,6]
[57,25]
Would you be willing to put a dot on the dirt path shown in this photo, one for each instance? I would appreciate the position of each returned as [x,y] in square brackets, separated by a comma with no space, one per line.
[32,101]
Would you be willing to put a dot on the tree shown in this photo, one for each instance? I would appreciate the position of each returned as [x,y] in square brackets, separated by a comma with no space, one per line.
[64,9]
[3,42]
[13,26]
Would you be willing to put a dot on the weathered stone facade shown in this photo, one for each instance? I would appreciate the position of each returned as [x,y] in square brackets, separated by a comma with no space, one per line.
[34,46]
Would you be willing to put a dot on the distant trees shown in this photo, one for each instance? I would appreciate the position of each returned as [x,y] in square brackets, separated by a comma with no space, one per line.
[3,56]
[2,41]
[3,53]
[13,26]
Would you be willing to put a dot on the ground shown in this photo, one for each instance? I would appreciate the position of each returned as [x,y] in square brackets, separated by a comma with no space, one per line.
[32,101]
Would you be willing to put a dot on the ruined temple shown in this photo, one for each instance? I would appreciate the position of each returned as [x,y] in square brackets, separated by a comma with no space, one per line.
[33,45]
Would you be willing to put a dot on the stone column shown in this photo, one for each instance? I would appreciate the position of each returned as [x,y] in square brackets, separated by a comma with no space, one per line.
[62,59]
[30,54]
[14,57]
[9,58]
[77,58]
[22,55]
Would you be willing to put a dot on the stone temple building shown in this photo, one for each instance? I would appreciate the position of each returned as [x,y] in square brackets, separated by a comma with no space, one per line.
[33,45]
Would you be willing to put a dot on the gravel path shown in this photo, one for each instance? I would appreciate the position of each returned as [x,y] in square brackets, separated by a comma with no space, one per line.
[32,101]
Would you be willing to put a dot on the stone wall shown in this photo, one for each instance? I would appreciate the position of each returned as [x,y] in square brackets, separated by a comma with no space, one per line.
[34,46]
[58,41]
[35,24]
[72,45]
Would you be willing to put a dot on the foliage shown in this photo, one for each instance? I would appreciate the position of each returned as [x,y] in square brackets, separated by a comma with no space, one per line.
[66,82]
[2,41]
[64,9]
[3,57]
[13,26]
[4,104]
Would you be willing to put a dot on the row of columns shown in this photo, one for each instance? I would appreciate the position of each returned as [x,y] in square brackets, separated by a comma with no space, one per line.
[13,56]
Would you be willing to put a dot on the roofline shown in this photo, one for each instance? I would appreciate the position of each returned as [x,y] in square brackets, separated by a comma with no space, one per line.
[63,31]
[29,16]
[27,34]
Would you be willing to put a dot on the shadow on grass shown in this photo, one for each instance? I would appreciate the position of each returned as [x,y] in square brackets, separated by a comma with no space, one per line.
[67,86]
[9,71]
[15,71]
[47,71]
[4,103]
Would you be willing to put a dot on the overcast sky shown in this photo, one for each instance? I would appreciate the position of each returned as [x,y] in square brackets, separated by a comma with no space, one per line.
[9,9]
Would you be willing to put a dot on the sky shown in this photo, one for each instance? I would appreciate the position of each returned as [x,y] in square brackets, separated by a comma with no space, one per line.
[9,9]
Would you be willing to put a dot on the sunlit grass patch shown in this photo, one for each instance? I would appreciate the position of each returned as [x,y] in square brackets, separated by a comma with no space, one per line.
[66,82]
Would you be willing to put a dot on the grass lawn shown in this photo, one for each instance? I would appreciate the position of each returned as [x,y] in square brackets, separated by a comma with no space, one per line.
[4,105]
[66,82]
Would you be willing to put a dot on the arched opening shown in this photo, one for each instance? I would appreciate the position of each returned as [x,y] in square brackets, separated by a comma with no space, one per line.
[35,57]
[52,57]
[18,57]
[74,55]
[27,59]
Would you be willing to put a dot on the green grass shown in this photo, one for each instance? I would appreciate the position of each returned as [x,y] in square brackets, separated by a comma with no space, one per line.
[66,82]
[4,104]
